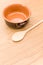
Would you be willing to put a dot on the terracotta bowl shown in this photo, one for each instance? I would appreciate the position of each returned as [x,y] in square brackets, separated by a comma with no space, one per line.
[16,15]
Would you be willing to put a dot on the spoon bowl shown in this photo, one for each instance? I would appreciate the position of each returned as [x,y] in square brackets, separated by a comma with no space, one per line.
[18,36]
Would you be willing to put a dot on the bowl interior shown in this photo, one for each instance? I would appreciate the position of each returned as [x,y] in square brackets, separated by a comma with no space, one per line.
[16,13]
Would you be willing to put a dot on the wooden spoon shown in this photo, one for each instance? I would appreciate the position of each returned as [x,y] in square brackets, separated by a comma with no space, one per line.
[20,35]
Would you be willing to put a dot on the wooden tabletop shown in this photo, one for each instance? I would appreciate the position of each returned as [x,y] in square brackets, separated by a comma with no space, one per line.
[29,51]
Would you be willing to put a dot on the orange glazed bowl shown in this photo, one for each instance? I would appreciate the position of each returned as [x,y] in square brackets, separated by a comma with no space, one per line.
[16,15]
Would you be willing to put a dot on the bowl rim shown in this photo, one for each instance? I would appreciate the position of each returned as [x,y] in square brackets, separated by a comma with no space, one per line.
[13,5]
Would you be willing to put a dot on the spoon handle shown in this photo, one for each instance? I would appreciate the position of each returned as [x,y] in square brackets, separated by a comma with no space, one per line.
[41,21]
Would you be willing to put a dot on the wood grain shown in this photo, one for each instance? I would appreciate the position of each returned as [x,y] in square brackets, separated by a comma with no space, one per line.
[29,51]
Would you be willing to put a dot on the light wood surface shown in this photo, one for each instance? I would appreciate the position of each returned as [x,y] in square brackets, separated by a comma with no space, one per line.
[29,51]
